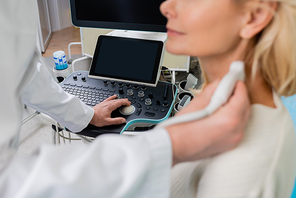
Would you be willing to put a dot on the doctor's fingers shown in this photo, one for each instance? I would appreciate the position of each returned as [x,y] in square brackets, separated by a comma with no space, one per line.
[114,121]
[114,104]
[238,107]
[241,98]
[123,102]
[111,98]
[233,118]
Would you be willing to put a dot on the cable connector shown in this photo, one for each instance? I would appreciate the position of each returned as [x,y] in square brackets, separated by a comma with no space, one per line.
[221,95]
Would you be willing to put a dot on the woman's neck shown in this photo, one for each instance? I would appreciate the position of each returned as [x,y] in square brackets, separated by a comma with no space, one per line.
[259,90]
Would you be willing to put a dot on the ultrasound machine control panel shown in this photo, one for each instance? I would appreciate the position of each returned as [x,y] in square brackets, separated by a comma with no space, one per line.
[149,105]
[151,100]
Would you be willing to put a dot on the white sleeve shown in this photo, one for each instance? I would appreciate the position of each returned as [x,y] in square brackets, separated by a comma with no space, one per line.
[111,166]
[43,94]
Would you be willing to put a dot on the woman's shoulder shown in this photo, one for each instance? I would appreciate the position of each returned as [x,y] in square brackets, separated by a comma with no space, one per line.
[264,116]
[267,154]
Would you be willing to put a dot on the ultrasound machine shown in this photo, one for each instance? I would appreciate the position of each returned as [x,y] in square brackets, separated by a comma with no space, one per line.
[125,63]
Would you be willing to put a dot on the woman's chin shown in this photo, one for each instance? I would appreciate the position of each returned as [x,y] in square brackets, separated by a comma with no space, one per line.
[174,49]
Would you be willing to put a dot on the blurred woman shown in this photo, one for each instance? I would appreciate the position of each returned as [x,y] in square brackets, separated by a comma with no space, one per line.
[261,33]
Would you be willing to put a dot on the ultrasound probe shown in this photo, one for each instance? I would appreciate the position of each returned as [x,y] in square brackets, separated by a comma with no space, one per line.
[220,96]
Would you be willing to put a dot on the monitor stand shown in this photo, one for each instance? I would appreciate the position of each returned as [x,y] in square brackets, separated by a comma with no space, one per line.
[140,35]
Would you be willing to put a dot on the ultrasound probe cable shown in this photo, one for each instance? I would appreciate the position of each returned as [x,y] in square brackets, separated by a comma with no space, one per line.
[220,96]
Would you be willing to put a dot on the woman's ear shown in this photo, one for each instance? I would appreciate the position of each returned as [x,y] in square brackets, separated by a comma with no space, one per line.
[258,16]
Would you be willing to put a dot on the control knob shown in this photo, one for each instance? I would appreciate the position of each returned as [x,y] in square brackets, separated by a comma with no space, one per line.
[75,78]
[141,94]
[165,103]
[113,82]
[120,84]
[150,95]
[148,101]
[83,79]
[128,85]
[136,86]
[105,82]
[130,92]
[120,91]
[143,87]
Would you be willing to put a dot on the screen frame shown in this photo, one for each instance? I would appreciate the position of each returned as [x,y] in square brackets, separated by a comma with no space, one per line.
[156,68]
[113,25]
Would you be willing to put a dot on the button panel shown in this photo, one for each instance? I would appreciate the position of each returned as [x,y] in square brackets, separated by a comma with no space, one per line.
[149,103]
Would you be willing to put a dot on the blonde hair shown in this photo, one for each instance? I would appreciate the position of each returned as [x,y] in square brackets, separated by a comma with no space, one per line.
[275,51]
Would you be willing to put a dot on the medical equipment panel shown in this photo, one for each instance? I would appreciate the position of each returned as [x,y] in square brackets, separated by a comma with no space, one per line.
[150,105]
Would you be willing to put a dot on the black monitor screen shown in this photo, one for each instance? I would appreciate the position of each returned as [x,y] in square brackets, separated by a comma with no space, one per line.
[129,59]
[118,14]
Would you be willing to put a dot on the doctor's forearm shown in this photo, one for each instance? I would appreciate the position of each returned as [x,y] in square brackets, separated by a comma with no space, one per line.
[112,166]
[45,95]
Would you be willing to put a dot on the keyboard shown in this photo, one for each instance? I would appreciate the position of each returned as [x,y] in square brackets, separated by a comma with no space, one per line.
[91,96]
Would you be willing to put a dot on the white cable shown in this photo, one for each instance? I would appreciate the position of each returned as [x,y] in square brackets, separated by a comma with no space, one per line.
[220,96]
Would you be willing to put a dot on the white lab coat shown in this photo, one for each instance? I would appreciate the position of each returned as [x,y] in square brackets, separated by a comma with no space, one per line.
[112,166]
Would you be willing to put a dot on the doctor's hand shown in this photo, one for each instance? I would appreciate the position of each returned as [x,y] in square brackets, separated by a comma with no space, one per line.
[103,110]
[219,132]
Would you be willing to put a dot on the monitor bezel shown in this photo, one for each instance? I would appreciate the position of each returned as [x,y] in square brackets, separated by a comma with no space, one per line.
[113,25]
[156,68]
